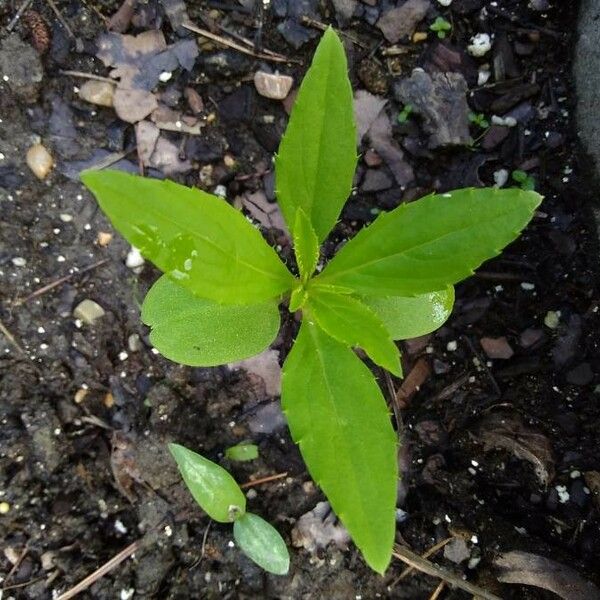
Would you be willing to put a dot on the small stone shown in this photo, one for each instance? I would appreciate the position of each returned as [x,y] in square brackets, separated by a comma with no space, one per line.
[445,2]
[4,508]
[400,22]
[372,159]
[552,319]
[500,178]
[104,238]
[273,85]
[19,261]
[165,76]
[530,337]
[39,160]
[419,36]
[88,311]
[80,395]
[100,93]
[497,348]
[376,180]
[194,100]
[134,259]
[134,343]
[480,45]
[452,346]
[457,551]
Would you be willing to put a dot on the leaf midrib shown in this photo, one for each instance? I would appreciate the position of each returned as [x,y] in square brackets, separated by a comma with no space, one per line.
[349,451]
[359,267]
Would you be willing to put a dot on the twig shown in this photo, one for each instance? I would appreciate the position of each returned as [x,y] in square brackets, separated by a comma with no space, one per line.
[103,570]
[306,20]
[59,16]
[425,566]
[274,57]
[60,281]
[15,586]
[438,590]
[11,338]
[83,75]
[254,482]
[18,14]
[15,567]
[435,548]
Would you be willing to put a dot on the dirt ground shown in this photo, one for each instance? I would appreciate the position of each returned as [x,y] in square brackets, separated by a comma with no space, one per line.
[501,407]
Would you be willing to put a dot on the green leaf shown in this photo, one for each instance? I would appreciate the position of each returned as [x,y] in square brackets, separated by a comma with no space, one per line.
[242,452]
[212,487]
[317,156]
[341,423]
[261,542]
[199,240]
[429,244]
[201,333]
[410,317]
[306,246]
[353,323]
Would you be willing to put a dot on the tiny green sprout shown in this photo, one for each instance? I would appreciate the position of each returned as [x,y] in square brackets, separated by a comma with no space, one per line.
[526,182]
[222,499]
[441,27]
[242,452]
[218,299]
[405,113]
[479,120]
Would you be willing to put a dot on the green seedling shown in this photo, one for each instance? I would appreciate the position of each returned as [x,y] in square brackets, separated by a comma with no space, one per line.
[405,113]
[479,120]
[441,27]
[221,498]
[242,452]
[526,182]
[217,301]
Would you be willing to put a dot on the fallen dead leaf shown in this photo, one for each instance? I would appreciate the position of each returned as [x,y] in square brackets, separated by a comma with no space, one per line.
[367,107]
[509,432]
[530,569]
[417,376]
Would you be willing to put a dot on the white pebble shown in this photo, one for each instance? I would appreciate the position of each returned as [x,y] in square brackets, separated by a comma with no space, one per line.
[134,258]
[563,494]
[220,191]
[452,346]
[483,74]
[504,121]
[445,2]
[39,160]
[527,286]
[19,261]
[480,45]
[165,76]
[66,218]
[500,178]
[123,355]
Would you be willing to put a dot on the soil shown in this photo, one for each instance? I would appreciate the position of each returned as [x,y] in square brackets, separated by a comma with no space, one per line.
[502,452]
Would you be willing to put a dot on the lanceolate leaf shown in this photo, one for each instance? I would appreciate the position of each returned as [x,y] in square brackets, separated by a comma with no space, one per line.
[317,156]
[409,317]
[341,423]
[201,333]
[429,244]
[261,542]
[353,323]
[306,246]
[212,487]
[197,239]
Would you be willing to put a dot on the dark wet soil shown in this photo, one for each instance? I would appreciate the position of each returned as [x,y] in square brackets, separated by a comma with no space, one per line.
[502,452]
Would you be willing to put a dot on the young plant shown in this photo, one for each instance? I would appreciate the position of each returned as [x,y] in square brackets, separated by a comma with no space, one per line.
[526,182]
[218,299]
[221,498]
[441,27]
[479,120]
[405,113]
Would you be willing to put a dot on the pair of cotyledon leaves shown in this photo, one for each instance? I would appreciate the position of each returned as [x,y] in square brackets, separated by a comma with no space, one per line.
[217,492]
[218,300]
